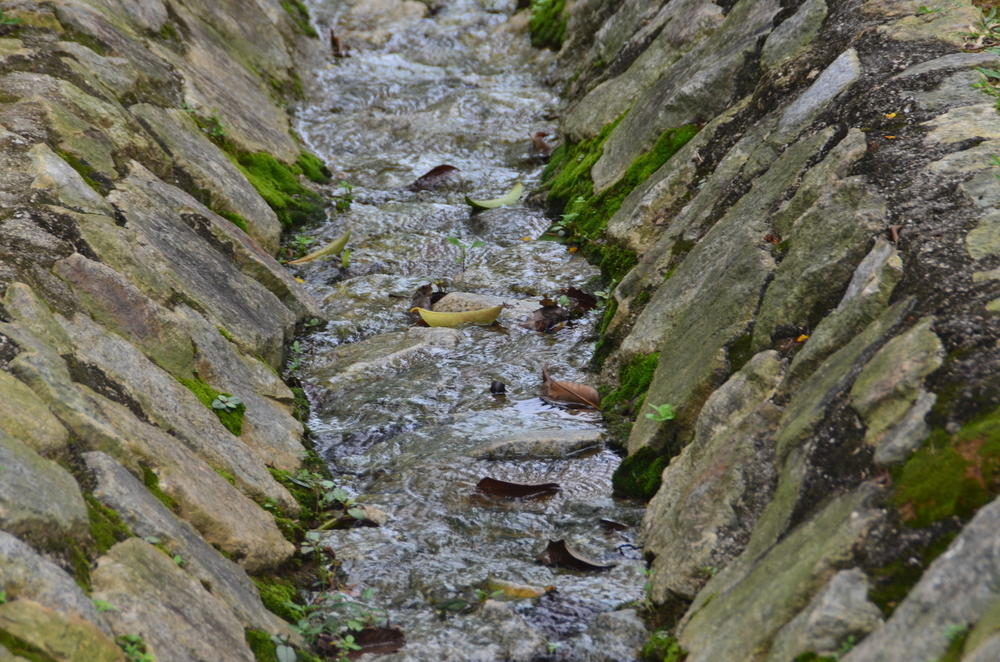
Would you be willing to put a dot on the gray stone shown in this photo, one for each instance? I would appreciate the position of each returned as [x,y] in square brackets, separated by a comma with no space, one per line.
[835,79]
[617,637]
[146,516]
[958,588]
[64,184]
[795,34]
[825,245]
[712,492]
[39,500]
[26,574]
[963,123]
[25,417]
[224,186]
[755,597]
[59,637]
[171,611]
[540,444]
[948,62]
[889,386]
[839,611]
[954,90]
[949,25]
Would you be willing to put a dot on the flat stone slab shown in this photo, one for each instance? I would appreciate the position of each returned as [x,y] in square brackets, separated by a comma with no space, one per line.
[541,444]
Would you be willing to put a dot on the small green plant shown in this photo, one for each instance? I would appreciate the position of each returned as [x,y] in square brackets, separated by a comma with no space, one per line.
[463,250]
[282,650]
[345,259]
[986,33]
[924,10]
[295,356]
[179,560]
[102,606]
[334,617]
[995,162]
[662,413]
[301,244]
[134,648]
[342,201]
[561,228]
[848,645]
[3,597]
[225,402]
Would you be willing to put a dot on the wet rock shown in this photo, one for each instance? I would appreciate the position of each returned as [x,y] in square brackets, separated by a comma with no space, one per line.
[514,309]
[26,418]
[146,516]
[712,492]
[210,172]
[375,21]
[171,611]
[962,123]
[866,297]
[839,611]
[39,500]
[617,637]
[384,353]
[958,588]
[63,638]
[776,582]
[540,444]
[889,386]
[795,34]
[516,639]
[64,184]
[835,79]
[951,25]
[825,245]
[26,574]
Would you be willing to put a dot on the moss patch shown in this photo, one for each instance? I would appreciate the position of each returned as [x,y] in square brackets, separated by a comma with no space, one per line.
[23,649]
[892,582]
[300,16]
[313,168]
[300,405]
[621,405]
[93,179]
[279,185]
[951,475]
[106,526]
[233,218]
[265,650]
[639,475]
[548,23]
[276,594]
[661,647]
[232,419]
[152,483]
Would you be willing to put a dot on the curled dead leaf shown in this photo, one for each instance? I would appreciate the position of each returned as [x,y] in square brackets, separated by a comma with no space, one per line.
[502,489]
[570,394]
[514,590]
[558,553]
[433,178]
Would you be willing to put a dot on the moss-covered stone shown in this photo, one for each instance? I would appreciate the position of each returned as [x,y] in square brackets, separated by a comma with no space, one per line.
[952,474]
[152,483]
[548,23]
[892,582]
[313,168]
[233,218]
[633,380]
[280,187]
[639,475]
[106,525]
[232,419]
[661,647]
[300,16]
[277,595]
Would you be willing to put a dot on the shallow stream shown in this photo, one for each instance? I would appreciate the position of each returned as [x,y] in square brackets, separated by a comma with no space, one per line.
[401,413]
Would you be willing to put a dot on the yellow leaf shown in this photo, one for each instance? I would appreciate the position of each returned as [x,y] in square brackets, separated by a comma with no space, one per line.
[804,337]
[508,198]
[482,316]
[516,591]
[333,248]
[572,249]
[299,280]
[890,116]
[526,239]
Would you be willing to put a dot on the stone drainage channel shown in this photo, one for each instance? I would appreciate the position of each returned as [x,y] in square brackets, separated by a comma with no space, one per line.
[404,415]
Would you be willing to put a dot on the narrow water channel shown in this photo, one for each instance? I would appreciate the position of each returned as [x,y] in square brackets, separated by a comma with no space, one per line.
[402,414]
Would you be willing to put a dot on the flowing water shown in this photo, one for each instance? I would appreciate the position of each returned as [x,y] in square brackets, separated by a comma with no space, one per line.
[402,413]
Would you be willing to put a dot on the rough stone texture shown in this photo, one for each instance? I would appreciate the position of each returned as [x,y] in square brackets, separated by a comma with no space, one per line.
[39,500]
[617,637]
[64,638]
[957,589]
[64,184]
[171,611]
[26,574]
[755,600]
[146,516]
[794,35]
[836,78]
[226,189]
[540,444]
[711,493]
[841,610]
[26,418]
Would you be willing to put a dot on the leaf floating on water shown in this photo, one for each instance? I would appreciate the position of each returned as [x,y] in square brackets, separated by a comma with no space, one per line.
[485,316]
[611,525]
[502,489]
[581,300]
[433,178]
[539,145]
[516,591]
[569,393]
[547,318]
[560,554]
[333,248]
[508,198]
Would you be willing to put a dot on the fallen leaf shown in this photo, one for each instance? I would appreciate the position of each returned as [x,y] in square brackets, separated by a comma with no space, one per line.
[539,145]
[526,239]
[484,316]
[572,249]
[333,248]
[508,198]
[547,318]
[583,301]
[569,393]
[611,525]
[300,280]
[890,137]
[802,337]
[497,387]
[502,489]
[890,116]
[433,178]
[516,591]
[772,238]
[558,553]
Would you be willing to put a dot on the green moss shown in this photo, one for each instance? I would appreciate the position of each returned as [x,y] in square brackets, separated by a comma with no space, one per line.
[739,352]
[300,405]
[615,261]
[307,498]
[951,475]
[93,179]
[300,16]
[106,525]
[79,563]
[169,33]
[230,478]
[232,419]
[233,218]
[261,646]
[639,475]
[276,594]
[892,582]
[548,23]
[313,168]
[279,185]
[814,657]
[633,381]
[152,483]
[225,333]
[22,649]
[661,647]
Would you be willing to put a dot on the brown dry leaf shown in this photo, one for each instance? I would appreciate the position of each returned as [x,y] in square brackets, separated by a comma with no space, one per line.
[503,489]
[582,302]
[515,591]
[539,145]
[433,178]
[560,554]
[547,318]
[611,525]
[569,393]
